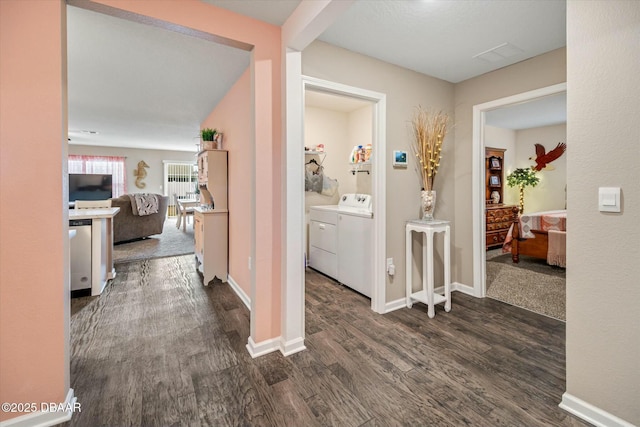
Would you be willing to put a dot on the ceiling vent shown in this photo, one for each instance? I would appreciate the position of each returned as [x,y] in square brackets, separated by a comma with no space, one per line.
[498,53]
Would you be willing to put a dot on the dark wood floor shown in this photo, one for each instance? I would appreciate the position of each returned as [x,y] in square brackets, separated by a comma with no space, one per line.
[159,349]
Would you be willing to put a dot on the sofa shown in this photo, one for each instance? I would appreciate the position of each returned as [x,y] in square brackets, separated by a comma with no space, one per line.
[127,226]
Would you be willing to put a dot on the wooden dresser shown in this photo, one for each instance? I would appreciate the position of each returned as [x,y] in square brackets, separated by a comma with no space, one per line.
[498,215]
[499,219]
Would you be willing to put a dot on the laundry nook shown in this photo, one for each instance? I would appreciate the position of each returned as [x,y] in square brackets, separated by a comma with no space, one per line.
[338,200]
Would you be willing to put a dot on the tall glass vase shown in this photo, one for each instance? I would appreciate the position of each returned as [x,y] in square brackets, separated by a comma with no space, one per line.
[428,204]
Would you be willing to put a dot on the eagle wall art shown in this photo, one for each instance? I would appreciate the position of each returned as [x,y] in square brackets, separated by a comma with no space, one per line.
[543,158]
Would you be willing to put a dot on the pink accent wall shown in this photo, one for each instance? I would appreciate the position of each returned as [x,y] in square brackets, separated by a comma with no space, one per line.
[231,116]
[34,290]
[266,84]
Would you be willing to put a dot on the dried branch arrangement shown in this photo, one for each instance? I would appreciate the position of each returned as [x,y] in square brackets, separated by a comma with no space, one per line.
[429,130]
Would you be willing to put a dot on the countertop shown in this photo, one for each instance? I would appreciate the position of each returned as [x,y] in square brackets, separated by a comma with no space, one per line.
[93,213]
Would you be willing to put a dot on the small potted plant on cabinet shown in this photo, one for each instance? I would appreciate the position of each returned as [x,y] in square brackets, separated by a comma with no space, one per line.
[208,138]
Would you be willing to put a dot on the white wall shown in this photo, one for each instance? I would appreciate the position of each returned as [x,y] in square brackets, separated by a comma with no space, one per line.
[549,194]
[495,137]
[154,180]
[603,249]
[339,132]
[361,133]
[331,128]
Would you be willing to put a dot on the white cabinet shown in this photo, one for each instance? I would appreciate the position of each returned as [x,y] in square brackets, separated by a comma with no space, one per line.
[211,247]
[212,173]
[211,226]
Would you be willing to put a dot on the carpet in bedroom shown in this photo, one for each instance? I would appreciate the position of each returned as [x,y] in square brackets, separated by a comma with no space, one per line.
[530,284]
[170,243]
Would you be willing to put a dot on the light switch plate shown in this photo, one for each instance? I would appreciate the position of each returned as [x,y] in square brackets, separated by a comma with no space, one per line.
[609,199]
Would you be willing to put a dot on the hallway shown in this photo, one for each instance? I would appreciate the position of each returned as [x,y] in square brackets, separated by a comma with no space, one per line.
[158,349]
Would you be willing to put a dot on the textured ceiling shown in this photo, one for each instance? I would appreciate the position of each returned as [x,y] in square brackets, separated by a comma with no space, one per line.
[547,111]
[142,86]
[441,38]
[275,12]
[146,87]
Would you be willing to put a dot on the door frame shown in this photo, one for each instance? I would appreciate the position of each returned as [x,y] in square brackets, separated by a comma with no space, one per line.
[378,100]
[378,296]
[478,176]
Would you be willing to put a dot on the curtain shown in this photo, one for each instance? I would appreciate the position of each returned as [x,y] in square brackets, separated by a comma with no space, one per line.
[102,165]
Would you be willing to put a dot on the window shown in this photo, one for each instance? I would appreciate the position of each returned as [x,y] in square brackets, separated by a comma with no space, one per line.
[102,165]
[181,180]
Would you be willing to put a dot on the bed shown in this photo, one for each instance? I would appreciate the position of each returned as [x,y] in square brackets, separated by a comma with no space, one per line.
[540,235]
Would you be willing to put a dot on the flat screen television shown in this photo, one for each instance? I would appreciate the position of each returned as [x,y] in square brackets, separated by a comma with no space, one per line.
[83,186]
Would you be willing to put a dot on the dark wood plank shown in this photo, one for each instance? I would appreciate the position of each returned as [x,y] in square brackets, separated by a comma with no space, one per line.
[160,349]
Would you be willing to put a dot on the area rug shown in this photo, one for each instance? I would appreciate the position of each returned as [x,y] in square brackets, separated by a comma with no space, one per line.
[171,242]
[530,284]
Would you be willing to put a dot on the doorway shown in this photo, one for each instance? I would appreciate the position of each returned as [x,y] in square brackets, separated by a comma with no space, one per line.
[338,145]
[377,185]
[480,112]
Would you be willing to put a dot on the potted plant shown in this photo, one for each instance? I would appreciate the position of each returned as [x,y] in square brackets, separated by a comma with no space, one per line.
[522,177]
[208,137]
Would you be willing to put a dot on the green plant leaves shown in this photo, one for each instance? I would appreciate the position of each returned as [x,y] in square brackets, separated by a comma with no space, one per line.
[522,177]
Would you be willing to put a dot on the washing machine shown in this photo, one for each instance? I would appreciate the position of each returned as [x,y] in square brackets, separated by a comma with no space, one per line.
[341,241]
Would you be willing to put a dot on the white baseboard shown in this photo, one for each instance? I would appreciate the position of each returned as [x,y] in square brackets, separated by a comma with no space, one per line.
[402,302]
[275,344]
[395,305]
[241,293]
[262,348]
[292,347]
[590,413]
[46,419]
[464,289]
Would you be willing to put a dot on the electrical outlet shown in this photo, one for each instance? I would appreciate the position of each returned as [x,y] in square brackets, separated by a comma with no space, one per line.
[389,262]
[249,263]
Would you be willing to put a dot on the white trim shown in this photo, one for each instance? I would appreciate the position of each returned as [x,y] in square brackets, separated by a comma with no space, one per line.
[239,291]
[463,289]
[395,305]
[182,162]
[455,287]
[45,419]
[478,176]
[292,262]
[292,347]
[379,101]
[590,413]
[262,348]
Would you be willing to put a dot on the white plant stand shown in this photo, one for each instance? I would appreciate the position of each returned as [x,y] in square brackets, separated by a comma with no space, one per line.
[428,295]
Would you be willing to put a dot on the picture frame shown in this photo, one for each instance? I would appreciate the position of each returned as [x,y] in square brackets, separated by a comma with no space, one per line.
[494,181]
[400,159]
[495,163]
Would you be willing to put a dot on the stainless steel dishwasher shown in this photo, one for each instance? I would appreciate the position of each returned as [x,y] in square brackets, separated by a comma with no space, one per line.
[80,255]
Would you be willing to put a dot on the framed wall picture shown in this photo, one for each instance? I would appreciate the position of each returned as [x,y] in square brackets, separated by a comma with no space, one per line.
[494,181]
[400,159]
[495,163]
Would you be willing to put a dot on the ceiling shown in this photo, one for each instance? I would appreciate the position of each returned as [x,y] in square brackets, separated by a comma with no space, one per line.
[547,111]
[145,87]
